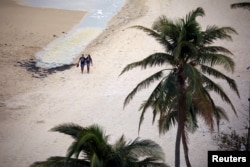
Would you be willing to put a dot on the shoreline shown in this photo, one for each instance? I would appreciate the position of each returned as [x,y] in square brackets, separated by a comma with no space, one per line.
[118,21]
[64,49]
[24,32]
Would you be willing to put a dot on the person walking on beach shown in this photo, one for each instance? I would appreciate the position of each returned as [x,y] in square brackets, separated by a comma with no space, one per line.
[88,62]
[82,61]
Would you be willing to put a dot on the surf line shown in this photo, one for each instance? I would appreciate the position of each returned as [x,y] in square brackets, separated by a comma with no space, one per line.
[63,50]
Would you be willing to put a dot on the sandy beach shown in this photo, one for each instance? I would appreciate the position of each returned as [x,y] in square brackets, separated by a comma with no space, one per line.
[32,100]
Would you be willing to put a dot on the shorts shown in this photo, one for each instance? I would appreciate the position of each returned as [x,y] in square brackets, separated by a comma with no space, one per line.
[88,63]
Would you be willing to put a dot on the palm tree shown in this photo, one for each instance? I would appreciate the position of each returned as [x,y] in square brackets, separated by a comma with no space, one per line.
[92,144]
[243,5]
[184,86]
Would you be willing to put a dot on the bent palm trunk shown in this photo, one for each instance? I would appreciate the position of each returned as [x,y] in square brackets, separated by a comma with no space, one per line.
[177,147]
[185,147]
[181,119]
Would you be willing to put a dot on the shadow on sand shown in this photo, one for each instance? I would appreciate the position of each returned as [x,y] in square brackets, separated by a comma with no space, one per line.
[37,72]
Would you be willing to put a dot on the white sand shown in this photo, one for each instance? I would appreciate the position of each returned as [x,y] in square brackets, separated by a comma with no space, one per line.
[37,105]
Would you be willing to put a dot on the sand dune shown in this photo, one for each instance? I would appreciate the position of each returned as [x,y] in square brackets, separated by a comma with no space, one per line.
[31,103]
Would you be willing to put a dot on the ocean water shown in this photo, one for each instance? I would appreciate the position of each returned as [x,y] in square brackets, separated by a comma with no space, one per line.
[65,49]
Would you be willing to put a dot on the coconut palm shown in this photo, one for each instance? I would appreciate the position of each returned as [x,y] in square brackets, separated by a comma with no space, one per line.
[90,148]
[243,5]
[184,88]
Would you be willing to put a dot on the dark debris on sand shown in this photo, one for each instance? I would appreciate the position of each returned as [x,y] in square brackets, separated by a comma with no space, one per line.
[37,72]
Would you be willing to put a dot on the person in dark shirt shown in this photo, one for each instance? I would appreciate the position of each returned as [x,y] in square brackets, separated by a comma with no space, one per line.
[82,61]
[89,61]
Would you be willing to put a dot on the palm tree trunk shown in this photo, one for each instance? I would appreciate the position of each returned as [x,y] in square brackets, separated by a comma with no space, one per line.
[181,118]
[185,147]
[177,147]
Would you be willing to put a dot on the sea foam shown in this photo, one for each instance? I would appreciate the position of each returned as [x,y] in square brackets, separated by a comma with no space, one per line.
[65,49]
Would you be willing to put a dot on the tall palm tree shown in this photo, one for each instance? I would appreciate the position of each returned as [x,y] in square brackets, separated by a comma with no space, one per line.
[183,89]
[243,5]
[92,144]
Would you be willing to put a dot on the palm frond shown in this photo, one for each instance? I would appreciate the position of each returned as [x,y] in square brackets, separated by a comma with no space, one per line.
[69,129]
[145,148]
[217,89]
[191,29]
[150,162]
[158,37]
[152,60]
[93,137]
[136,150]
[168,31]
[216,49]
[204,106]
[161,97]
[95,140]
[148,31]
[217,59]
[220,114]
[72,149]
[195,13]
[191,113]
[167,121]
[144,84]
[218,74]
[213,33]
[243,5]
[193,77]
[95,161]
[99,132]
[61,161]
[162,24]
[197,98]
[120,143]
